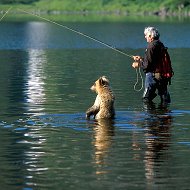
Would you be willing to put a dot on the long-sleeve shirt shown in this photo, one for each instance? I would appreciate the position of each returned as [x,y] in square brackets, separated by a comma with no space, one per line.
[152,56]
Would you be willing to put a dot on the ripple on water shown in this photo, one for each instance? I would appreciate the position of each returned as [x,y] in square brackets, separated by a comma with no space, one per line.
[66,146]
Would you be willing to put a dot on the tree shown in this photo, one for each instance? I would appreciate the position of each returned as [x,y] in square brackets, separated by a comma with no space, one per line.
[17,1]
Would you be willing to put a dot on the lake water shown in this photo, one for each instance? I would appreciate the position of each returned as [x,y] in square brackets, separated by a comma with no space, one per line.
[46,143]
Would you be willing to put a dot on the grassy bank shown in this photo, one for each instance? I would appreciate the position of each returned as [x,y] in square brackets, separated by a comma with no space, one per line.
[158,7]
[90,10]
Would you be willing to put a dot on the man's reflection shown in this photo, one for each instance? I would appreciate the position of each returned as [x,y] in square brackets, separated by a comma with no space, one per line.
[157,124]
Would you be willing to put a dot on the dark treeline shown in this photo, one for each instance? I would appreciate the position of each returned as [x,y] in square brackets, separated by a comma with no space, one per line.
[17,1]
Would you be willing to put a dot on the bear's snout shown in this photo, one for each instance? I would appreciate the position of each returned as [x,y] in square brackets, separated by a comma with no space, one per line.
[93,88]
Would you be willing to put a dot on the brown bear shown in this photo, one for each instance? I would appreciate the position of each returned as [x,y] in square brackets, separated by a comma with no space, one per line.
[104,104]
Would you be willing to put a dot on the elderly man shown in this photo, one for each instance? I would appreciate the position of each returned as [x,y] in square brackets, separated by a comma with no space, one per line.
[150,64]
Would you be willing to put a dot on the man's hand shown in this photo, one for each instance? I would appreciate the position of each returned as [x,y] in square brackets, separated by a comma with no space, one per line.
[136,64]
[137,58]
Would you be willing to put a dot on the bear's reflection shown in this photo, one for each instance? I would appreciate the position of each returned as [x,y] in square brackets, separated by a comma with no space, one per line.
[103,137]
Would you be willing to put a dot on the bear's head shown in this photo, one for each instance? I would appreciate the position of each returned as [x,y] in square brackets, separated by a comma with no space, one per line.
[101,83]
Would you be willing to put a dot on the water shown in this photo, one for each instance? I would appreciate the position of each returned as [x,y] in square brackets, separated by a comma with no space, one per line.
[46,143]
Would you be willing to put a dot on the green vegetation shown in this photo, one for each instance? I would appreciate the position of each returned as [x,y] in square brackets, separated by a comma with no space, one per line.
[125,7]
[116,5]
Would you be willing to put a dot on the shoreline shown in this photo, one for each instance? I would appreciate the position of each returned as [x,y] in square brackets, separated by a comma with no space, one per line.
[93,16]
[158,13]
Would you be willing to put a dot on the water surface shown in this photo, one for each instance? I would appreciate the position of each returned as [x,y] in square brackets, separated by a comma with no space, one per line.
[46,142]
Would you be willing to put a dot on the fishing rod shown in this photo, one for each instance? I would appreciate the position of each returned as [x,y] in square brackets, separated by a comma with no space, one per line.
[87,36]
[5,13]
[94,39]
[80,33]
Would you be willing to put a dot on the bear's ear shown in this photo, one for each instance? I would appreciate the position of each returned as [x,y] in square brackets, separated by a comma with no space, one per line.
[103,81]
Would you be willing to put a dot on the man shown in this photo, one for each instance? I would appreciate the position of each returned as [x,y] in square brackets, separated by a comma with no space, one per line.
[150,65]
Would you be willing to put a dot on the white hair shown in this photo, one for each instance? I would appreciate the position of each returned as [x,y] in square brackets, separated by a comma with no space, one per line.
[152,31]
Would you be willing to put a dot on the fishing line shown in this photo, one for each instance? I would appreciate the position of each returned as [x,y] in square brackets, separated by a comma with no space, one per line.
[91,38]
[80,33]
[138,72]
[5,13]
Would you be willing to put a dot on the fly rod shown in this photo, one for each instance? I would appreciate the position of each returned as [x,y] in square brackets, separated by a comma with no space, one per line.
[91,38]
[5,13]
[80,33]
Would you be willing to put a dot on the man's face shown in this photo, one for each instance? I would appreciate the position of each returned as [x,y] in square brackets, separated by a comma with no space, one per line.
[148,37]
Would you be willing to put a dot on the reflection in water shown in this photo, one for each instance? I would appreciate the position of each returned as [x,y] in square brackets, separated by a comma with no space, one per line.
[33,166]
[35,98]
[35,95]
[54,151]
[104,131]
[157,140]
[33,155]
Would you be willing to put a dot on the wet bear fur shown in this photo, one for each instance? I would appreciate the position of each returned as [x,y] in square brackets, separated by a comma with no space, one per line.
[104,103]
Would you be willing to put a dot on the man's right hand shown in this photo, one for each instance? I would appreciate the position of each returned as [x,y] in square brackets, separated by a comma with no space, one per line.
[137,58]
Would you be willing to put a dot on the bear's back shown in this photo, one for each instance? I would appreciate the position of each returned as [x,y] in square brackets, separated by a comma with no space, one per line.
[106,103]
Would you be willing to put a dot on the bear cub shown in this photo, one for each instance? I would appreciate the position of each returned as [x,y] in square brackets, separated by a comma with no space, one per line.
[104,104]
